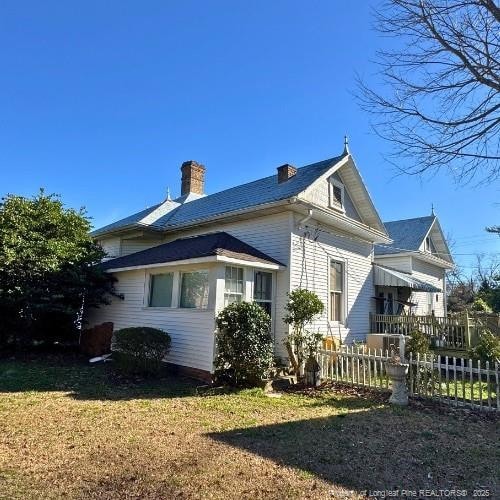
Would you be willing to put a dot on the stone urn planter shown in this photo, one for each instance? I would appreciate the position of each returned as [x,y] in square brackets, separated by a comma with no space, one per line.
[312,372]
[397,371]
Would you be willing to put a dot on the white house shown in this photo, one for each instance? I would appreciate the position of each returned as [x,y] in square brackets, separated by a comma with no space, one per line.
[410,273]
[180,262]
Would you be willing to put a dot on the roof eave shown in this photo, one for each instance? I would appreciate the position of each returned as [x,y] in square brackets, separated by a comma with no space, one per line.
[346,223]
[419,255]
[257,263]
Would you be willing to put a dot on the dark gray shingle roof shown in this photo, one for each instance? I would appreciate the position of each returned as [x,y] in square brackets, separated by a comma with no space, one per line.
[206,245]
[407,234]
[245,196]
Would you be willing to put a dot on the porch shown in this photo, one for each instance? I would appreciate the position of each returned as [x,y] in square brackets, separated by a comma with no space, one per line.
[458,332]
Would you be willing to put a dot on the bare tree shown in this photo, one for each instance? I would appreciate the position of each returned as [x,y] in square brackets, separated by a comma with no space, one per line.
[437,98]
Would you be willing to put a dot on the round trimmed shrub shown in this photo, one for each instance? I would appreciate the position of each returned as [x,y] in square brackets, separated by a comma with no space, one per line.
[140,350]
[244,344]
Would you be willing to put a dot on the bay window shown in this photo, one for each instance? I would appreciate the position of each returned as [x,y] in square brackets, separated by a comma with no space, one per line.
[233,288]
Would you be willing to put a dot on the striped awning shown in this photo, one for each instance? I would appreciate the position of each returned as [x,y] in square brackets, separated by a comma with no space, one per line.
[384,276]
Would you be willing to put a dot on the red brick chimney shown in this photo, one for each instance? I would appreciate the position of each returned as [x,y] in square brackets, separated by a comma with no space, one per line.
[285,172]
[193,178]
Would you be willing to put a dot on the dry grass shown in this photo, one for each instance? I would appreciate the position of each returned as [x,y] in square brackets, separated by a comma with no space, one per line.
[74,431]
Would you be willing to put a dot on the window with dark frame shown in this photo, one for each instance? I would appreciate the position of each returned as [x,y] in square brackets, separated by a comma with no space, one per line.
[263,290]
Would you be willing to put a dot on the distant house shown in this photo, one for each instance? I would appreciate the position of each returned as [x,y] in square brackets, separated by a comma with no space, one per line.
[410,272]
[181,261]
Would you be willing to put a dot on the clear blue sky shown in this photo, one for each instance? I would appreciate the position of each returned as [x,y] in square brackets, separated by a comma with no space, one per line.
[101,102]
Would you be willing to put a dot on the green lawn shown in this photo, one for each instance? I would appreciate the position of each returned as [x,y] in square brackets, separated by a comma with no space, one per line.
[70,430]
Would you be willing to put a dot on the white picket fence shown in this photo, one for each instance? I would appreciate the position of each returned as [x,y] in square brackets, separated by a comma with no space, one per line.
[454,381]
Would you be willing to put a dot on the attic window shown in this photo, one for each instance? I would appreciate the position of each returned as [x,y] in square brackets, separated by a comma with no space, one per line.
[429,246]
[336,194]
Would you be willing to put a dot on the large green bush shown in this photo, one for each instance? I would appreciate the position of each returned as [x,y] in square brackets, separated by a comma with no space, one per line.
[244,344]
[140,350]
[487,349]
[47,270]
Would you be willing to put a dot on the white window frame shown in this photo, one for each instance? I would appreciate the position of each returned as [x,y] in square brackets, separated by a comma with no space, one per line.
[343,301]
[332,200]
[228,293]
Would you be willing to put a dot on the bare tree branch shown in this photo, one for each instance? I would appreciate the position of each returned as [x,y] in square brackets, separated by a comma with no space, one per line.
[436,98]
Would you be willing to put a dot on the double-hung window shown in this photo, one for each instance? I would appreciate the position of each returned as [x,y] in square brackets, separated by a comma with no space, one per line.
[336,290]
[194,290]
[160,290]
[233,288]
[263,290]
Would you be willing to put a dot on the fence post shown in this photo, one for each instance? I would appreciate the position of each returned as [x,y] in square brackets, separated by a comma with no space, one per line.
[402,347]
[467,330]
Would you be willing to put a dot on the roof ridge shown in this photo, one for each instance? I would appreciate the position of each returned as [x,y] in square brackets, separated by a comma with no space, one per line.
[210,196]
[241,196]
[411,219]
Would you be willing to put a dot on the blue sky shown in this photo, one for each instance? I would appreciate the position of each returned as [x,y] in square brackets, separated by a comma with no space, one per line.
[101,102]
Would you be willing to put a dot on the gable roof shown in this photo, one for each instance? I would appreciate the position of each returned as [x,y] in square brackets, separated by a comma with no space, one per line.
[206,245]
[407,235]
[244,196]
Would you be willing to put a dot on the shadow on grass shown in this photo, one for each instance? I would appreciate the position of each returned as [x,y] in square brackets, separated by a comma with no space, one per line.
[88,382]
[377,448]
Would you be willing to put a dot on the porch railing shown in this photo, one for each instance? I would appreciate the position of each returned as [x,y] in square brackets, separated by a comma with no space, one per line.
[453,332]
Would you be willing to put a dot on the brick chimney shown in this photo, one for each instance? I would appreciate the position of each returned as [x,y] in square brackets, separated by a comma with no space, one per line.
[193,178]
[285,172]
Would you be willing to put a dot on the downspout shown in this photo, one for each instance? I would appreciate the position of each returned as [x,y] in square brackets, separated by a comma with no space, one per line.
[305,219]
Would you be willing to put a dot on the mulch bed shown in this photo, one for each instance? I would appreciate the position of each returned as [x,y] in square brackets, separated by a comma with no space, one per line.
[381,396]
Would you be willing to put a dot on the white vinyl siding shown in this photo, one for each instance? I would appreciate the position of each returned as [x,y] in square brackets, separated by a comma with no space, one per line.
[137,245]
[310,261]
[112,247]
[434,275]
[192,330]
[402,263]
[270,234]
[321,195]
